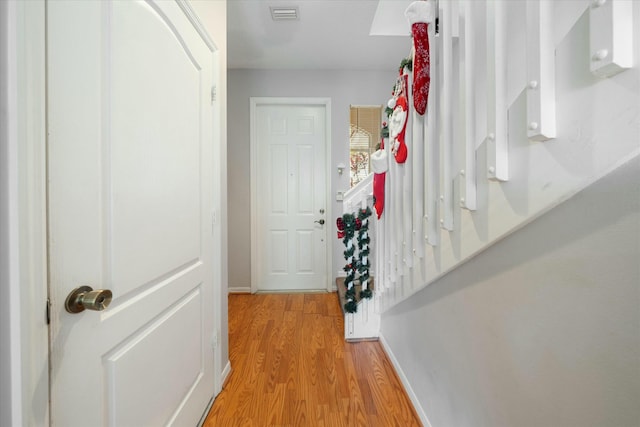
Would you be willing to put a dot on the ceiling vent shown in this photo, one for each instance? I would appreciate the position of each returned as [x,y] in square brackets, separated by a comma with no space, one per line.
[282,13]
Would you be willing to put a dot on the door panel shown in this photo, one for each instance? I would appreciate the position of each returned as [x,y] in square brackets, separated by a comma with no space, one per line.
[155,154]
[291,191]
[130,197]
[130,359]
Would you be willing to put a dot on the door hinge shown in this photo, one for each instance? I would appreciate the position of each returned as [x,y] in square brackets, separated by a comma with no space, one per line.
[213,94]
[48,311]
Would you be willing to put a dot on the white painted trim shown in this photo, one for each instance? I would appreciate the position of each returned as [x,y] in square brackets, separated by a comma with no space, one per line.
[220,244]
[10,366]
[197,24]
[226,372]
[405,381]
[26,243]
[253,163]
[239,289]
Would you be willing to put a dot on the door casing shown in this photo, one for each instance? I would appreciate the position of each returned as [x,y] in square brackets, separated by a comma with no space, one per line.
[254,103]
[26,244]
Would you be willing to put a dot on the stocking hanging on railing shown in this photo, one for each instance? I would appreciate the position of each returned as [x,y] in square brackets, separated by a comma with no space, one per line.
[398,119]
[379,164]
[420,14]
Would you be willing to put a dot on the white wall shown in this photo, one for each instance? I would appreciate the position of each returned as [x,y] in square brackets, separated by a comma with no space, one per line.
[344,88]
[542,329]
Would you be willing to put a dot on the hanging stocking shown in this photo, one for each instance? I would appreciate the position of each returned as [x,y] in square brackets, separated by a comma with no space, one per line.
[398,122]
[420,14]
[379,164]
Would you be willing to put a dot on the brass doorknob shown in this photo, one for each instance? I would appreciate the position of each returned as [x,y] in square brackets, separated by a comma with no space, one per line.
[321,222]
[85,297]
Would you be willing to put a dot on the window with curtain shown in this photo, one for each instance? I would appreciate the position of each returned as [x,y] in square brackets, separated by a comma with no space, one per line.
[364,136]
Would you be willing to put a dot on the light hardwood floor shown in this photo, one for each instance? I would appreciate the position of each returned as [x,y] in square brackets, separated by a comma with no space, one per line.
[292,367]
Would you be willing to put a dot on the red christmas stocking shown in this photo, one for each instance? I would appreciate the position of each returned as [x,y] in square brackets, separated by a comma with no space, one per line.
[379,165]
[419,14]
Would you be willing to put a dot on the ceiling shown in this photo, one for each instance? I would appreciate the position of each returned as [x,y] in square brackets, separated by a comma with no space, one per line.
[330,34]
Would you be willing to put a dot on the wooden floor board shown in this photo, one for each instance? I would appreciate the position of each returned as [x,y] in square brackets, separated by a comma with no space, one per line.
[292,368]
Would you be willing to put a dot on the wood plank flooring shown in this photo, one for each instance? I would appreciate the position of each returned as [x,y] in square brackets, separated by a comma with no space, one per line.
[291,367]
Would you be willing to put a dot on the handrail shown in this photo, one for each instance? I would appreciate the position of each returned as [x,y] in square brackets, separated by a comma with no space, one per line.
[357,194]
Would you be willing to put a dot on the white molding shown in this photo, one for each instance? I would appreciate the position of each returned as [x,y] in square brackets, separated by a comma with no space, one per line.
[405,381]
[239,289]
[226,372]
[220,238]
[10,336]
[253,161]
[197,24]
[27,244]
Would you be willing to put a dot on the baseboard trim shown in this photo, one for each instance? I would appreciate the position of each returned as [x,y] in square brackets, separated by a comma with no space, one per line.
[226,373]
[405,382]
[239,289]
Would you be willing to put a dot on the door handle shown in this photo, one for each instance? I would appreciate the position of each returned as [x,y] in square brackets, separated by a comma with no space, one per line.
[321,222]
[85,297]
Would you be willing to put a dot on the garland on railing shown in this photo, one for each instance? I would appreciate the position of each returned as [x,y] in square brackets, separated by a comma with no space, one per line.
[363,246]
[346,230]
[347,226]
[408,63]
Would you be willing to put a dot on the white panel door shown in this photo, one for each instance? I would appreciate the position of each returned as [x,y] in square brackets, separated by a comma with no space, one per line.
[291,197]
[130,152]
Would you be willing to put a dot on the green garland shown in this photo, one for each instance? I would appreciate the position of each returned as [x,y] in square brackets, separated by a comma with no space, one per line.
[348,228]
[356,269]
[363,246]
[406,62]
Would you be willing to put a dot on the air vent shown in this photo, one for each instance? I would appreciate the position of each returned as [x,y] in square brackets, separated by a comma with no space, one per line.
[282,13]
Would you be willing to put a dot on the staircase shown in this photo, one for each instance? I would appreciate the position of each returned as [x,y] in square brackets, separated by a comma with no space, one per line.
[486,159]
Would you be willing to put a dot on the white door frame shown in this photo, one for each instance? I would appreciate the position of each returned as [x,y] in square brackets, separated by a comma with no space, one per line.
[254,103]
[24,359]
[25,248]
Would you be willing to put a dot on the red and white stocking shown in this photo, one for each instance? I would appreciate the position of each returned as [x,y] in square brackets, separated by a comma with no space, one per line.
[398,127]
[420,14]
[379,164]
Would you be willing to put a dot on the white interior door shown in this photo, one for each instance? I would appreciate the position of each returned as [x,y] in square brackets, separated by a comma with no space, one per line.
[290,197]
[130,199]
